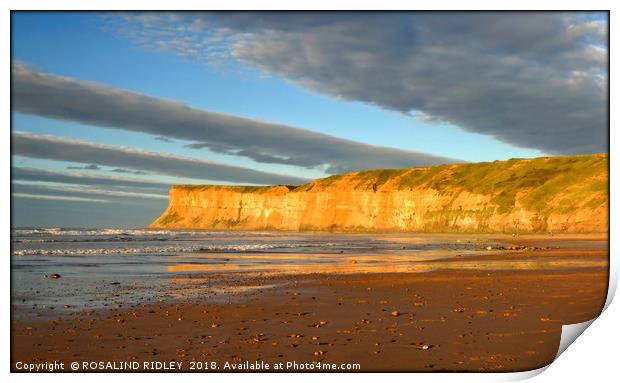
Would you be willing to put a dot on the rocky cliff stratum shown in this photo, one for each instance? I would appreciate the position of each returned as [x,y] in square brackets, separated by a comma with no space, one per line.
[549,194]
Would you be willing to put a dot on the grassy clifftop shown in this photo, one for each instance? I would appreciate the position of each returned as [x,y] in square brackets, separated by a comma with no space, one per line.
[543,183]
[570,193]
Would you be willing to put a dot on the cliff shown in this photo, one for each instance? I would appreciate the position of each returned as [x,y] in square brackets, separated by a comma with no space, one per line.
[557,194]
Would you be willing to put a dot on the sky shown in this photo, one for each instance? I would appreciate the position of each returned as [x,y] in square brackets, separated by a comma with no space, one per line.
[110,109]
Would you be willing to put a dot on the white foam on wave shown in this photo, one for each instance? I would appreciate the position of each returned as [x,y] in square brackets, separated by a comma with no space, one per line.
[57,231]
[106,251]
[163,249]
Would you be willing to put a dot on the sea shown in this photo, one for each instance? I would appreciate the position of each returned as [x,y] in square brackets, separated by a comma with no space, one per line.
[114,267]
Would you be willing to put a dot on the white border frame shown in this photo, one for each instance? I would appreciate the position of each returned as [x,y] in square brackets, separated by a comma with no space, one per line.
[591,357]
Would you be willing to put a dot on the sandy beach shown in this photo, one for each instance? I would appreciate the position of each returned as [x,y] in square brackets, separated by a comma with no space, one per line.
[456,318]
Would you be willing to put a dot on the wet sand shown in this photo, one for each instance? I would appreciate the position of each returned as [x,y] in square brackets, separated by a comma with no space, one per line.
[458,319]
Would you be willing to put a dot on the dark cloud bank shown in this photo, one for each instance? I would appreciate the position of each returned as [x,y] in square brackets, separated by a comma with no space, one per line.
[62,149]
[531,79]
[85,102]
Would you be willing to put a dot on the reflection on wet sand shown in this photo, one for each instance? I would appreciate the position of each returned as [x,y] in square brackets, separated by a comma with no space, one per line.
[328,263]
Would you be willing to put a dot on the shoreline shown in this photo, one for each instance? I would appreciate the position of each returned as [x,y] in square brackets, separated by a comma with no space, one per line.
[447,320]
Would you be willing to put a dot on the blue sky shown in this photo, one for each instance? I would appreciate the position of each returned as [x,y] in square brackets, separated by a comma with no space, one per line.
[117,53]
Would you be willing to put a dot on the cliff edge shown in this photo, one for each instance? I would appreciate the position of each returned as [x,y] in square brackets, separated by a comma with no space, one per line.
[548,194]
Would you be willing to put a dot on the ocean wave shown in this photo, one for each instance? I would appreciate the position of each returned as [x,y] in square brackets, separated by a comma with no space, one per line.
[106,232]
[120,238]
[56,231]
[231,248]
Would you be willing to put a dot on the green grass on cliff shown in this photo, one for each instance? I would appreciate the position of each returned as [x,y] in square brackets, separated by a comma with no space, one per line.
[541,185]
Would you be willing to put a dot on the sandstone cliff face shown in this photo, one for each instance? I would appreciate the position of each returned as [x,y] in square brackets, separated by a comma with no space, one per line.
[557,194]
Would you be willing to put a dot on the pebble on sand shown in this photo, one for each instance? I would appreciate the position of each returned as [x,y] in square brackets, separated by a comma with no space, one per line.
[422,346]
[395,313]
[319,324]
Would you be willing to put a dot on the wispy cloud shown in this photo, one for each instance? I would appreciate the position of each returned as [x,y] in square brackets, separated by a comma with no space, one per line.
[57,197]
[68,190]
[87,167]
[46,95]
[79,178]
[531,79]
[127,171]
[63,149]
